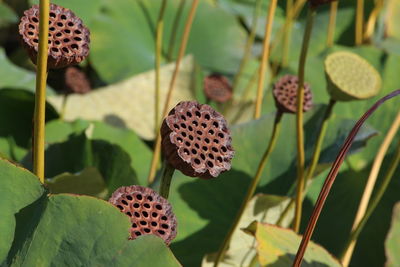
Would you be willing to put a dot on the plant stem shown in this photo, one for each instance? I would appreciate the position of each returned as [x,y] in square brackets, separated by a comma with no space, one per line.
[40,96]
[359,21]
[159,35]
[166,178]
[330,179]
[370,26]
[287,32]
[252,187]
[174,31]
[375,201]
[63,106]
[332,23]
[249,44]
[182,49]
[346,257]
[299,118]
[264,59]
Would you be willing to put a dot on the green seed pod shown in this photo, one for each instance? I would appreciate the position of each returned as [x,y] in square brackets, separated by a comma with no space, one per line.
[350,77]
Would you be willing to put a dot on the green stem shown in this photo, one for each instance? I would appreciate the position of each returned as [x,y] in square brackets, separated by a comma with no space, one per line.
[174,31]
[332,23]
[299,118]
[287,32]
[40,96]
[376,199]
[359,21]
[166,178]
[159,35]
[252,188]
[63,106]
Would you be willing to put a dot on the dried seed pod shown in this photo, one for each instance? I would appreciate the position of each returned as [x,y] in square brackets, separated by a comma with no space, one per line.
[76,81]
[68,37]
[285,94]
[350,77]
[217,88]
[316,3]
[196,140]
[148,211]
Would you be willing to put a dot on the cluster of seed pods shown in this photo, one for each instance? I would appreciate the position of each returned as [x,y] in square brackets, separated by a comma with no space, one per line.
[217,88]
[285,94]
[68,37]
[149,213]
[196,140]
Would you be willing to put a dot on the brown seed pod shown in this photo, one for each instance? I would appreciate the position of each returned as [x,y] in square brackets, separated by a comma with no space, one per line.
[217,88]
[285,94]
[148,211]
[196,140]
[68,37]
[316,3]
[76,81]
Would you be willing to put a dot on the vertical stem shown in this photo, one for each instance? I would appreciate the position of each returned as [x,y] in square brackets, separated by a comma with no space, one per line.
[299,118]
[370,186]
[159,35]
[40,96]
[182,49]
[359,21]
[287,32]
[252,187]
[332,23]
[264,59]
[370,26]
[249,43]
[166,178]
[174,31]
[375,201]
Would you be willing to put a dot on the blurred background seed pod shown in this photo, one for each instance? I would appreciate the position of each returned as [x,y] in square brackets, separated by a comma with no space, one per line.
[149,213]
[196,140]
[350,77]
[285,94]
[76,81]
[217,88]
[68,38]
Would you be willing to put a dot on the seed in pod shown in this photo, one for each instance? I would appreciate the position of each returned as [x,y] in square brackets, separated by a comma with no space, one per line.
[196,140]
[149,213]
[217,88]
[350,77]
[76,81]
[316,3]
[285,94]
[68,37]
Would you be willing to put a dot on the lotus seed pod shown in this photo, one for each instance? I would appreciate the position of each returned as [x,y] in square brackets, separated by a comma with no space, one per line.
[76,81]
[68,37]
[217,88]
[196,140]
[285,94]
[350,77]
[316,3]
[149,213]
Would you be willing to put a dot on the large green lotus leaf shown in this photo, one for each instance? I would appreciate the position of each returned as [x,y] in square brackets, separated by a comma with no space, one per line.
[262,208]
[18,189]
[130,103]
[75,230]
[88,182]
[392,243]
[278,246]
[7,15]
[16,116]
[139,152]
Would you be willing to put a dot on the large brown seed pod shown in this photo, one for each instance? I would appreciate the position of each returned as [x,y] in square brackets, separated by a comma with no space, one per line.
[76,81]
[217,88]
[285,94]
[149,212]
[68,37]
[196,140]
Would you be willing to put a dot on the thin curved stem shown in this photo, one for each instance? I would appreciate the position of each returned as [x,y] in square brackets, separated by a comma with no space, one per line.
[287,32]
[373,175]
[264,59]
[330,179]
[332,23]
[40,96]
[377,198]
[299,119]
[182,49]
[159,35]
[370,26]
[166,178]
[359,22]
[174,31]
[252,188]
